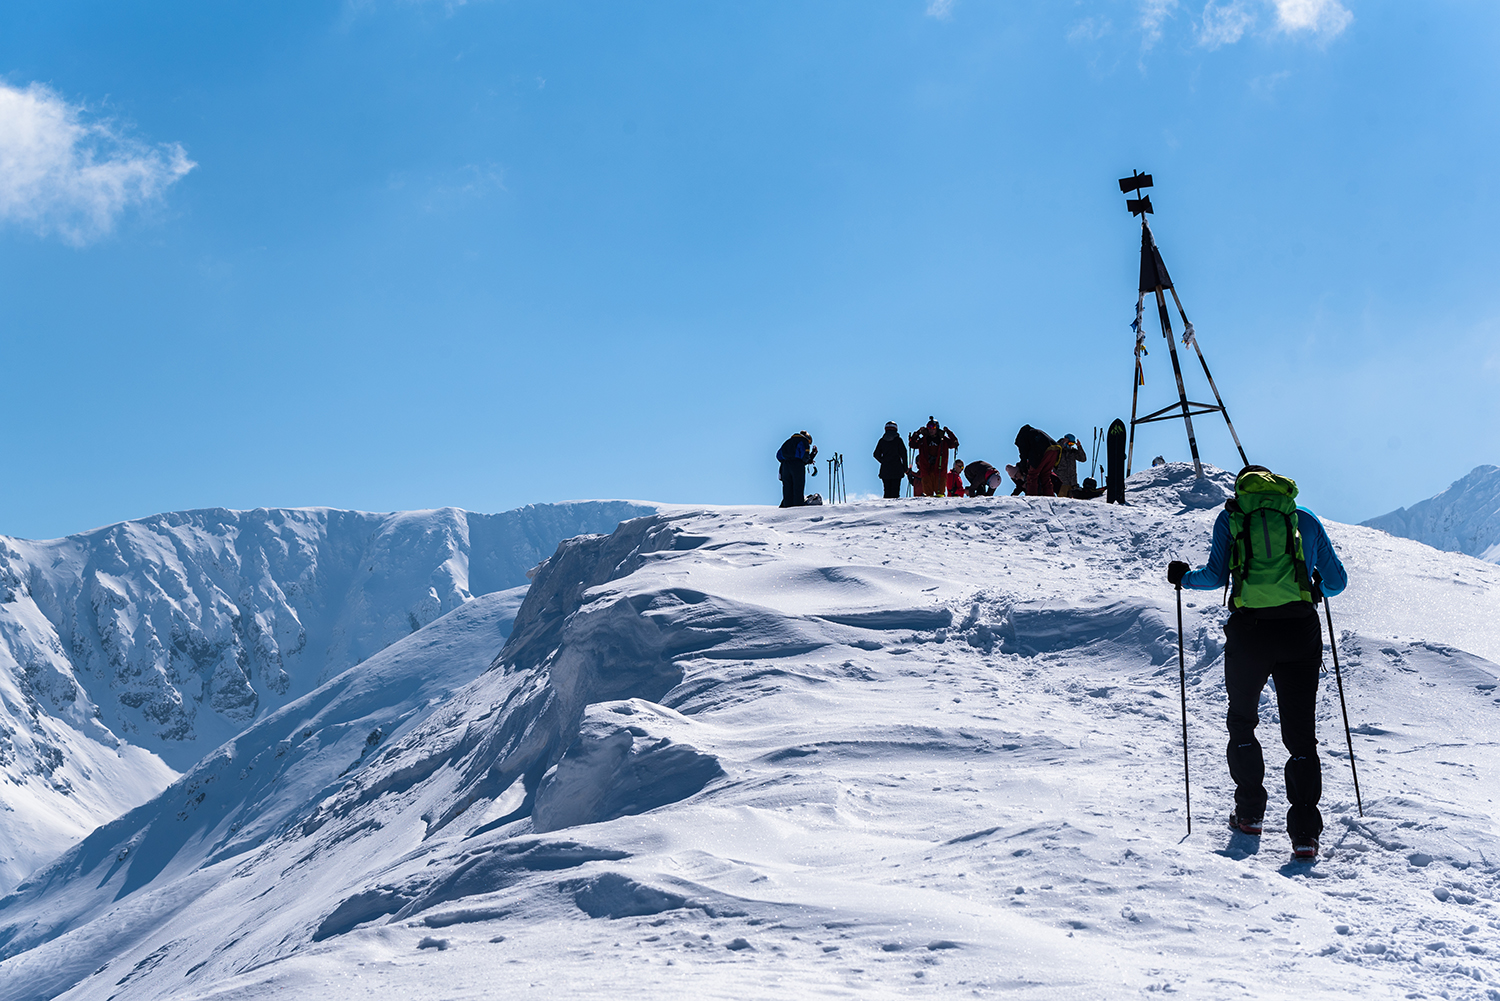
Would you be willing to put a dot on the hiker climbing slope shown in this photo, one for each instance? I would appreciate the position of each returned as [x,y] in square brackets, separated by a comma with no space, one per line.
[1268,550]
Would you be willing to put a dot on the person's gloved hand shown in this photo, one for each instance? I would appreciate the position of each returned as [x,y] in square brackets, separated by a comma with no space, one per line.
[1175,570]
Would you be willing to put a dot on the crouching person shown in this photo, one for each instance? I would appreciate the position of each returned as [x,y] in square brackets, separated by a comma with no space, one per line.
[983,479]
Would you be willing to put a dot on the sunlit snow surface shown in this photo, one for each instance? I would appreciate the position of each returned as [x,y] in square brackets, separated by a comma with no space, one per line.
[914,748]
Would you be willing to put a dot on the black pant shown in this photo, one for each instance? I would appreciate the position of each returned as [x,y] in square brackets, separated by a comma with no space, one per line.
[893,484]
[1290,651]
[793,484]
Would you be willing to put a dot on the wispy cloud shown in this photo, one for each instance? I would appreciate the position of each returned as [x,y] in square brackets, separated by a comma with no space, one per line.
[1224,23]
[64,174]
[1154,15]
[940,9]
[1265,86]
[1090,29]
[1325,18]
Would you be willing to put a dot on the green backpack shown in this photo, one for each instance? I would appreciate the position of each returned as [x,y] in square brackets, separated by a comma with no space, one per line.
[1266,565]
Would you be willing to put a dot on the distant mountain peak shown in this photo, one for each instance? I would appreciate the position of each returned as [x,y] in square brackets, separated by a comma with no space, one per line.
[1465,518]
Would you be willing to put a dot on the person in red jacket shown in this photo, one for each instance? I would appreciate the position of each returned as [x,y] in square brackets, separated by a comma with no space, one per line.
[932,443]
[956,479]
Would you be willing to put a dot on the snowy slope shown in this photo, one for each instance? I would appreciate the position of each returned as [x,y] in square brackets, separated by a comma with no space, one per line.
[130,651]
[1465,518]
[881,749]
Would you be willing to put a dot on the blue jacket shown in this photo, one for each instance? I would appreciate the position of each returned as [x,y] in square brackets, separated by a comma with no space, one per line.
[1316,549]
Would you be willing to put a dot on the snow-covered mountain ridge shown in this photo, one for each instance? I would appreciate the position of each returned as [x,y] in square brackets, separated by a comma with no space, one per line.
[1465,518]
[131,650]
[879,749]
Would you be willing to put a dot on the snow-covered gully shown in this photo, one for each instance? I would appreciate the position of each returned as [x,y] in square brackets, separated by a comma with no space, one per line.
[927,748]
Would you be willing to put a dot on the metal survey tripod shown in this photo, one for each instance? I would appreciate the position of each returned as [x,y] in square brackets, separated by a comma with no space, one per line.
[1155,281]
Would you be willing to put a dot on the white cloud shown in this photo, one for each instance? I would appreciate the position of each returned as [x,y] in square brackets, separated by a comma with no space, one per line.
[61,173]
[1320,17]
[1154,14]
[940,9]
[1224,23]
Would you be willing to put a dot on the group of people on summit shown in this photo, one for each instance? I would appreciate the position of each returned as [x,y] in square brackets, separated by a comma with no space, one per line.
[1273,557]
[1045,467]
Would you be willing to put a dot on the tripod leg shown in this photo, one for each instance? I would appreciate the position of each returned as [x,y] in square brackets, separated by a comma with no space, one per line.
[1187,418]
[1210,376]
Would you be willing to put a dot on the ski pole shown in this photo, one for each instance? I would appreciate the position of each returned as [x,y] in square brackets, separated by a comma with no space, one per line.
[1187,787]
[1338,677]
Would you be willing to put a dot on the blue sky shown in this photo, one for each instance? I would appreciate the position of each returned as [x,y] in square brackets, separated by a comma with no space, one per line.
[392,254]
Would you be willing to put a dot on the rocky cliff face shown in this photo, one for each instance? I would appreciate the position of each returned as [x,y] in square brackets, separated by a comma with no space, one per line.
[129,651]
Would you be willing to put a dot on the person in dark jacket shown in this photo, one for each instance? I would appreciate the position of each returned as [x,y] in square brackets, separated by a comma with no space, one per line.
[795,454]
[1268,636]
[890,452]
[1039,455]
[983,479]
[932,444]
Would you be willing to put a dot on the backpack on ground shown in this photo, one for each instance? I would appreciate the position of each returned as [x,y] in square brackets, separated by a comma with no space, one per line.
[1267,568]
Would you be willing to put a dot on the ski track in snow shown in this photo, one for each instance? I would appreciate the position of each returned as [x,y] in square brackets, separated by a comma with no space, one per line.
[926,748]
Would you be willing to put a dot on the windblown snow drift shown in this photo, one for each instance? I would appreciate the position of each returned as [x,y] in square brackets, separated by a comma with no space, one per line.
[875,749]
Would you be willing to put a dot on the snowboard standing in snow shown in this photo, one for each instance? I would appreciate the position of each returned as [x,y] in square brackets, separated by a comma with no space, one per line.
[1114,475]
